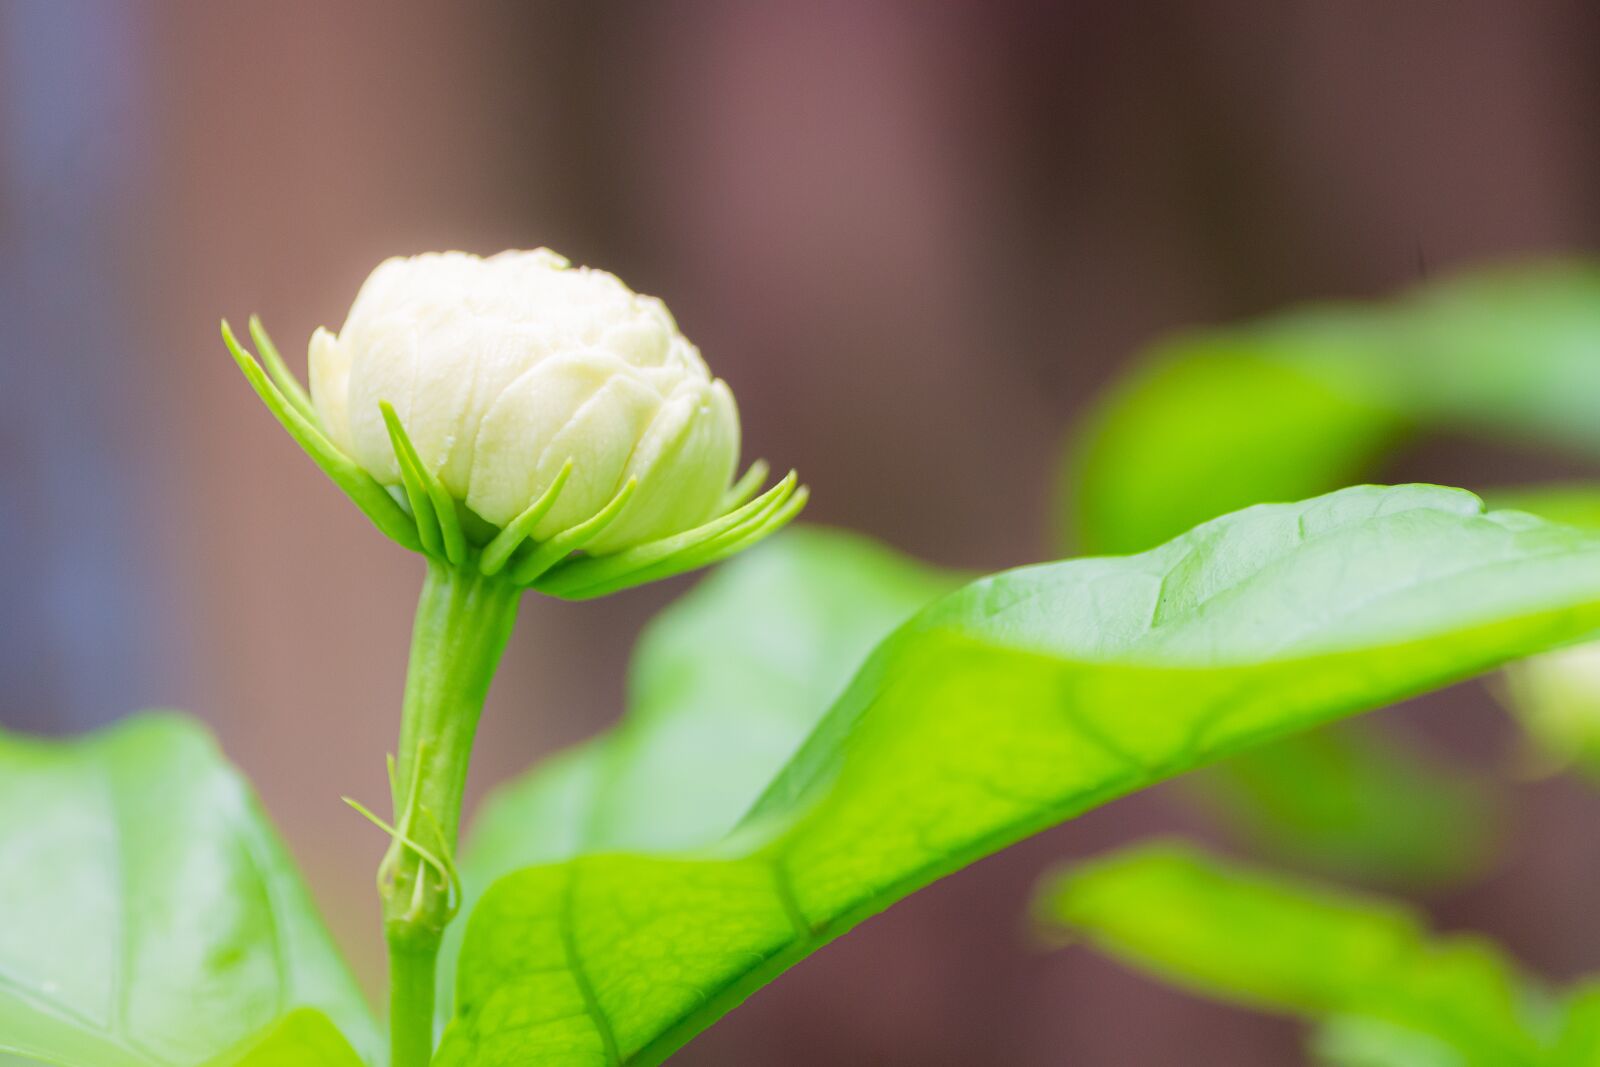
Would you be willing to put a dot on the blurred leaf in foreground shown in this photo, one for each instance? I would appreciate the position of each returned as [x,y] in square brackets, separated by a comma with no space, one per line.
[152,918]
[302,1038]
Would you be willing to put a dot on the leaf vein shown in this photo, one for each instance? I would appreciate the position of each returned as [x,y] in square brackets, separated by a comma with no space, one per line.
[783,886]
[580,973]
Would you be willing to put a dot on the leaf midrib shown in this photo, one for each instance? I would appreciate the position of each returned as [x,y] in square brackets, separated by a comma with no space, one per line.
[580,971]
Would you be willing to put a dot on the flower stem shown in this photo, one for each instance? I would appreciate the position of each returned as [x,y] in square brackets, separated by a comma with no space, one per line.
[463,622]
[411,987]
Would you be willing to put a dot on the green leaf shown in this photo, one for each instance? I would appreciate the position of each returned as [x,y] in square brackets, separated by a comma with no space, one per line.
[1302,403]
[1574,503]
[1364,805]
[1355,802]
[1017,702]
[1295,947]
[1579,1041]
[1507,352]
[303,1038]
[1307,401]
[724,686]
[743,666]
[1211,422]
[151,915]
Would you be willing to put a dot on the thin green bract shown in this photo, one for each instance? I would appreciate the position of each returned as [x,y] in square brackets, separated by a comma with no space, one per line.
[1017,702]
[152,918]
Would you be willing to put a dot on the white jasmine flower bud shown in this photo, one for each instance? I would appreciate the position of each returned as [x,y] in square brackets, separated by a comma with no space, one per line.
[515,415]
[502,369]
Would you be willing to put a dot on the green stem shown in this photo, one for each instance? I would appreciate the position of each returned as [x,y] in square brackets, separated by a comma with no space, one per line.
[463,622]
[411,987]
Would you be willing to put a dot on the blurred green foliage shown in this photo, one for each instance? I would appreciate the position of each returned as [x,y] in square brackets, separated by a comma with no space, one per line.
[1355,802]
[1384,990]
[1576,503]
[1297,404]
[1212,422]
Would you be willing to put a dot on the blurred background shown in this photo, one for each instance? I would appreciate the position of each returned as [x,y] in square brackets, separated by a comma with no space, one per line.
[916,238]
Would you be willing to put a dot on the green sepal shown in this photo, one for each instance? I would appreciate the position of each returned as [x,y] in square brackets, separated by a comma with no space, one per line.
[563,544]
[282,376]
[363,489]
[744,488]
[586,578]
[432,504]
[499,551]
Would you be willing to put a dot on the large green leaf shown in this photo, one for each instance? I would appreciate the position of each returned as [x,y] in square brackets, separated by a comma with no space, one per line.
[150,915]
[1365,805]
[1304,402]
[1303,949]
[1212,421]
[1021,700]
[724,686]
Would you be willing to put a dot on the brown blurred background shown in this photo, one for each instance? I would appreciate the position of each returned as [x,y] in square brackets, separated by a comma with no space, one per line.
[914,237]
